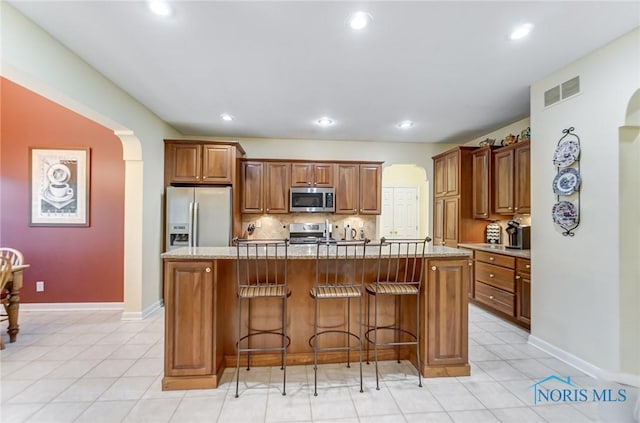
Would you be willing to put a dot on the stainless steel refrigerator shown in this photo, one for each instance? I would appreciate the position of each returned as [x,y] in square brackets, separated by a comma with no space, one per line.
[198,217]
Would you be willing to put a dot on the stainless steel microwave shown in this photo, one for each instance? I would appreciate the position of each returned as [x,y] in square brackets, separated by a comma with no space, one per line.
[312,200]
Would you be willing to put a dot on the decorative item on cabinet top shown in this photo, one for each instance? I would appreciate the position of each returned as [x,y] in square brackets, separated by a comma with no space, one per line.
[487,141]
[509,139]
[525,134]
[566,213]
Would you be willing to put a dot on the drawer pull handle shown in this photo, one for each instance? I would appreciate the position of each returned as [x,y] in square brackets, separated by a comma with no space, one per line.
[491,258]
[491,275]
[208,270]
[491,297]
[433,268]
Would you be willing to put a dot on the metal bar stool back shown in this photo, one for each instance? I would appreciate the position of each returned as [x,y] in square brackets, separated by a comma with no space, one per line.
[261,273]
[400,271]
[340,270]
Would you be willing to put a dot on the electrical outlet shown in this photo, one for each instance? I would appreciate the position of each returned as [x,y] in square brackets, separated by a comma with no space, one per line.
[39,286]
[258,223]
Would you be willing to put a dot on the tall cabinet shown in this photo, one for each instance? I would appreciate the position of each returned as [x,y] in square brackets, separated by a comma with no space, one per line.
[453,220]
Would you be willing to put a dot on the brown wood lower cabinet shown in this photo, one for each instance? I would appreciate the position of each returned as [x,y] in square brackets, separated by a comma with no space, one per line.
[200,320]
[502,283]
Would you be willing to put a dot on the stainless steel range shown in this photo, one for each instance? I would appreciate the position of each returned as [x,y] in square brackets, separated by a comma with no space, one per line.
[309,233]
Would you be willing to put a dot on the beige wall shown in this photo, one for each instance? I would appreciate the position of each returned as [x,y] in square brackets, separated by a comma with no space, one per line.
[576,281]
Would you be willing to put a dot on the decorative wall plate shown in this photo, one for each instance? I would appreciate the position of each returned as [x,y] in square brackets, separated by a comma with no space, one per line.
[566,153]
[566,182]
[564,213]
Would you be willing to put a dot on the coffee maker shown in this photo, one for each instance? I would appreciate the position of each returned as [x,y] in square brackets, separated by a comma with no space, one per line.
[518,236]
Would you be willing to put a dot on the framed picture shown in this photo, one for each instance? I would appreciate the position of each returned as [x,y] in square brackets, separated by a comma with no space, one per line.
[59,186]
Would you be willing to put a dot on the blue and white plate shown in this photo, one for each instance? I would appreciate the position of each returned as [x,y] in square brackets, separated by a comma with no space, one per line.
[566,153]
[566,182]
[564,213]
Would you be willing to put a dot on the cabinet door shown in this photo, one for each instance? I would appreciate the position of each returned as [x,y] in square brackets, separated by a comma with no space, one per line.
[370,188]
[185,159]
[452,166]
[323,174]
[440,176]
[523,298]
[252,187]
[481,166]
[189,319]
[438,222]
[276,193]
[347,188]
[503,197]
[447,330]
[217,164]
[522,180]
[451,222]
[301,174]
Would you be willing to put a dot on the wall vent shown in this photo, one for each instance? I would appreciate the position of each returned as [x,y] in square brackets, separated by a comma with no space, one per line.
[571,87]
[552,96]
[561,92]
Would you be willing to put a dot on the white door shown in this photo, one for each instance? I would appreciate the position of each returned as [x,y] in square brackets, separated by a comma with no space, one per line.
[399,217]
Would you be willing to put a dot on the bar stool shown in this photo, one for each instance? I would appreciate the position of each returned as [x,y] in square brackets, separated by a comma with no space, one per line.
[261,274]
[340,269]
[400,272]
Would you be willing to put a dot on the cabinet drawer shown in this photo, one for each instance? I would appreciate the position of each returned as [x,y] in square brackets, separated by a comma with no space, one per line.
[523,265]
[496,298]
[499,259]
[497,276]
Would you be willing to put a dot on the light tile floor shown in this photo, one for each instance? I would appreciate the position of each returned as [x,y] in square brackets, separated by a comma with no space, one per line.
[93,367]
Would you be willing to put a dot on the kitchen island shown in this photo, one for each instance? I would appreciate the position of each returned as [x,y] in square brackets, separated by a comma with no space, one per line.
[200,315]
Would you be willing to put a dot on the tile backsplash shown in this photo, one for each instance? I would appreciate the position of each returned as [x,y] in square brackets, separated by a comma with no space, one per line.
[274,226]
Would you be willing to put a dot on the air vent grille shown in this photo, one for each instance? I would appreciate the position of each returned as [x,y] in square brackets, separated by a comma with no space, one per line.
[563,91]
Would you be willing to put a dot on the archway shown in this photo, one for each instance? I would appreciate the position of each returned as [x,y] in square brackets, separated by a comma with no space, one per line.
[629,231]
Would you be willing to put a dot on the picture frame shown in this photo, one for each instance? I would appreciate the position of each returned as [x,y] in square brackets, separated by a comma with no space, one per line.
[59,186]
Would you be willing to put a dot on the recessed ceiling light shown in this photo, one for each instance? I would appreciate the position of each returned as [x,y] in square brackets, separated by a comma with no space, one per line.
[227,117]
[324,122]
[521,31]
[360,20]
[159,7]
[405,124]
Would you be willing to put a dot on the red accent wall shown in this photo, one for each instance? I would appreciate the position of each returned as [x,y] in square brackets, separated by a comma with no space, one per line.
[77,264]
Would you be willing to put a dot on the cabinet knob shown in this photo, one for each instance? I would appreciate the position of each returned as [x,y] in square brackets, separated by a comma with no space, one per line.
[208,270]
[510,208]
[491,275]
[355,210]
[515,208]
[470,263]
[528,266]
[433,268]
[517,276]
[308,183]
[491,297]
[268,209]
[197,177]
[491,258]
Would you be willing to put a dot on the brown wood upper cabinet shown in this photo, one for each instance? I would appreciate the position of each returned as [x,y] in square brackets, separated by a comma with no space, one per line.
[447,170]
[312,174]
[265,186]
[512,179]
[199,162]
[481,164]
[358,188]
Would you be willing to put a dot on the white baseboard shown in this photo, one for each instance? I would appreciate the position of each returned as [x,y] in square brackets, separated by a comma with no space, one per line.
[585,366]
[26,307]
[141,315]
[126,315]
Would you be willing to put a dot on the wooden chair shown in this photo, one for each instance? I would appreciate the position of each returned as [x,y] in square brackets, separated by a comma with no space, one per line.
[261,275]
[400,272]
[5,272]
[13,255]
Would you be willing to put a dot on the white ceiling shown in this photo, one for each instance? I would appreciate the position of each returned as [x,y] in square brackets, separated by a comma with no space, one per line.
[279,66]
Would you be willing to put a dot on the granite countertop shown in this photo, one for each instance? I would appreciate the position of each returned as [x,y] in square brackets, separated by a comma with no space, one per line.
[295,252]
[498,248]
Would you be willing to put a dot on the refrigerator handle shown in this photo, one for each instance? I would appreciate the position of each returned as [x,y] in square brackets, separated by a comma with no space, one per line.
[191,244]
[196,217]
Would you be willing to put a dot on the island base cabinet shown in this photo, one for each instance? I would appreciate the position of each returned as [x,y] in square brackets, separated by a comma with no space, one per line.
[190,348]
[447,313]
